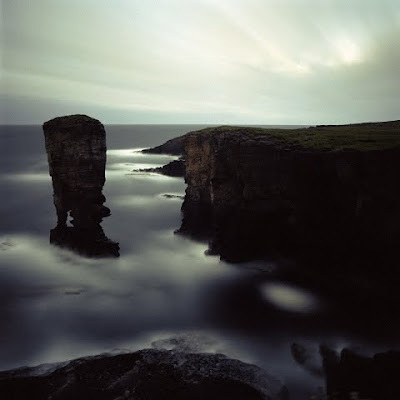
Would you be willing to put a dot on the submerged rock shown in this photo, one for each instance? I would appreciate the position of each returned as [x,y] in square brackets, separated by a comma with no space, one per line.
[76,151]
[146,374]
[352,376]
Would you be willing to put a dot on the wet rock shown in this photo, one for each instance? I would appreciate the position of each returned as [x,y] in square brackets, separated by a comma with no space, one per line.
[188,342]
[76,151]
[173,196]
[89,241]
[352,376]
[174,168]
[306,358]
[146,374]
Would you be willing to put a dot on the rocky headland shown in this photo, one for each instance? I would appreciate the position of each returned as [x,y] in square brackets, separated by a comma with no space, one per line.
[327,190]
[76,151]
[172,147]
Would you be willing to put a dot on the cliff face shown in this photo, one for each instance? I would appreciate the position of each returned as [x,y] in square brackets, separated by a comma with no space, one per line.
[255,195]
[76,150]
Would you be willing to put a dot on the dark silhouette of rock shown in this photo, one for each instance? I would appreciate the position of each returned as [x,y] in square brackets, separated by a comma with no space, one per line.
[173,196]
[146,374]
[174,168]
[306,358]
[351,376]
[256,194]
[76,151]
[174,147]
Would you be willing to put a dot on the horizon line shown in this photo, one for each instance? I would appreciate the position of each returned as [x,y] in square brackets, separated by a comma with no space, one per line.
[215,124]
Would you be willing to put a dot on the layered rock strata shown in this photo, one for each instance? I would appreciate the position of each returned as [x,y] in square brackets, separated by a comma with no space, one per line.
[254,194]
[76,151]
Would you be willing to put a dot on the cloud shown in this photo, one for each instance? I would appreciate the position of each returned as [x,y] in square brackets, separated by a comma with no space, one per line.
[293,61]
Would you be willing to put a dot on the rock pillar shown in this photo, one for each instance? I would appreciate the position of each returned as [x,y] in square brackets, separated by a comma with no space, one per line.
[76,151]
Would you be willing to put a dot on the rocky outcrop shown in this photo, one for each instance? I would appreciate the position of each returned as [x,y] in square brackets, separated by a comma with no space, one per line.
[352,376]
[76,151]
[255,193]
[146,374]
[174,147]
[306,358]
[175,168]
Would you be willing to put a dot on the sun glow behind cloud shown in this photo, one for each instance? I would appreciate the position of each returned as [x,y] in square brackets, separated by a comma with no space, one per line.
[215,61]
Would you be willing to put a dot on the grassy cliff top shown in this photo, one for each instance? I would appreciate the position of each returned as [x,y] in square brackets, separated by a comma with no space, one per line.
[359,137]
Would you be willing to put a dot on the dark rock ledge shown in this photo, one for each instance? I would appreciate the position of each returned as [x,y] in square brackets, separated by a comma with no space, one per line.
[175,168]
[145,375]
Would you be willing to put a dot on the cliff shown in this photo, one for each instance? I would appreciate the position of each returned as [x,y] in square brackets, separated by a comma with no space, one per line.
[328,190]
[76,151]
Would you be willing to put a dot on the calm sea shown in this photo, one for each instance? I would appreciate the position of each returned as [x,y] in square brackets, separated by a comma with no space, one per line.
[56,305]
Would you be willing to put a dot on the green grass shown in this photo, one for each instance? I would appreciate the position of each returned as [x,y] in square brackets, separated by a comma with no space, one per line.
[360,137]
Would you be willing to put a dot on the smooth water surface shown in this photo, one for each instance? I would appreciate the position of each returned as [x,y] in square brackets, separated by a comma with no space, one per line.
[56,305]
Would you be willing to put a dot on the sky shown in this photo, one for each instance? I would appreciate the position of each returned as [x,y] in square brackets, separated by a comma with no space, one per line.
[200,61]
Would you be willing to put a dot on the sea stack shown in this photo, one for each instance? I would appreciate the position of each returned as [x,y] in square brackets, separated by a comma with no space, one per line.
[76,151]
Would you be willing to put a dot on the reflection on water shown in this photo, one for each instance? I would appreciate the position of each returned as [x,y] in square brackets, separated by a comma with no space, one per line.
[57,305]
[289,298]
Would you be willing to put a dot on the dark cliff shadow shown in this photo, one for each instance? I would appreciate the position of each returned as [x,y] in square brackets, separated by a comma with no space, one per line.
[76,151]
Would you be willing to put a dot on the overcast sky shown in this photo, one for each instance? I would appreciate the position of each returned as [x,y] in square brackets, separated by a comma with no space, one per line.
[201,61]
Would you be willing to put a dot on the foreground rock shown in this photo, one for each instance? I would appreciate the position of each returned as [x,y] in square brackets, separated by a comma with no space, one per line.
[146,374]
[76,151]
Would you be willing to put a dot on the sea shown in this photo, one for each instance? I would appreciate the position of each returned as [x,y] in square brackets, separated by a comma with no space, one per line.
[162,292]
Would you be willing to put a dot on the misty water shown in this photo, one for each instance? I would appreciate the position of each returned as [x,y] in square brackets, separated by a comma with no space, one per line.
[56,305]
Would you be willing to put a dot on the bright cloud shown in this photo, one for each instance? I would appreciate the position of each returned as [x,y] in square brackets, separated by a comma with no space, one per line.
[205,61]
